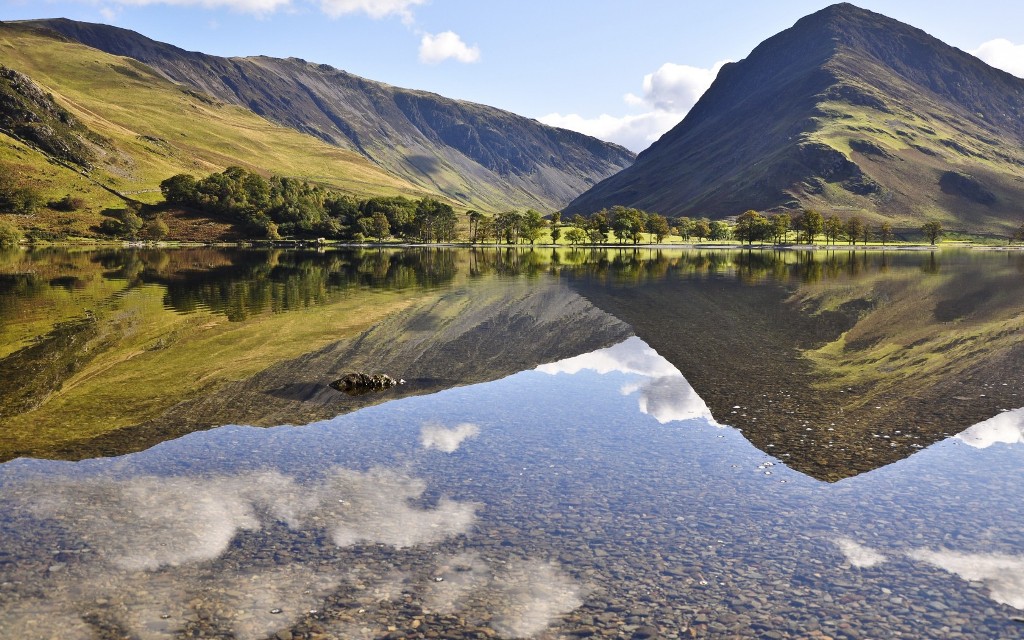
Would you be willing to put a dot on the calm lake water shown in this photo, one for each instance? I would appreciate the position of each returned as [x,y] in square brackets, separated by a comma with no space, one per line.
[588,444]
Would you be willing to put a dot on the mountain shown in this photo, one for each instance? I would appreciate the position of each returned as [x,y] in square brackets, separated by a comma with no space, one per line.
[101,128]
[848,111]
[474,154]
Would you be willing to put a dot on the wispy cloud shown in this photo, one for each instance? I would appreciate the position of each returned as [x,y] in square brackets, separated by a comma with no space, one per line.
[435,48]
[1003,54]
[668,94]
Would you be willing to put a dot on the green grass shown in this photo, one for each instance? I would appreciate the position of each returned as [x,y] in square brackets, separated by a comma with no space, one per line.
[156,129]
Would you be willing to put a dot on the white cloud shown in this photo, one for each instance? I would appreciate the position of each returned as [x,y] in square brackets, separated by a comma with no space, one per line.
[1006,428]
[1003,575]
[374,8]
[668,94]
[435,48]
[858,555]
[435,436]
[1003,54]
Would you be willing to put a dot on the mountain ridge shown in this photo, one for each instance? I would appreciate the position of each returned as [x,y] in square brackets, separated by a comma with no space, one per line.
[846,110]
[472,153]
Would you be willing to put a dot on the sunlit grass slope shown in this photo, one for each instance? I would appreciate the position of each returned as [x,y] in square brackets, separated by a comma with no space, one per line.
[155,129]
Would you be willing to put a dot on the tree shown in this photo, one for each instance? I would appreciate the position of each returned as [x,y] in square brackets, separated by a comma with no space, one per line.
[854,229]
[556,230]
[702,229]
[575,235]
[1018,235]
[751,226]
[720,230]
[380,228]
[932,230]
[684,227]
[533,225]
[885,232]
[179,189]
[509,225]
[833,228]
[16,197]
[9,235]
[485,228]
[474,223]
[780,227]
[628,223]
[658,226]
[601,223]
[810,223]
[155,229]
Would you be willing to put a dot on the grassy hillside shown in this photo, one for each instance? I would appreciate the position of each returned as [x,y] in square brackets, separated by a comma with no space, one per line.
[149,129]
[472,153]
[848,112]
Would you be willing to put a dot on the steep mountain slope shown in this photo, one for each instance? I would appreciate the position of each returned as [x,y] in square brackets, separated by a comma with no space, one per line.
[82,122]
[846,111]
[472,153]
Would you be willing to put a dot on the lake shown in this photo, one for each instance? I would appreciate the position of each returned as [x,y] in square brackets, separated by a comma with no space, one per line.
[609,443]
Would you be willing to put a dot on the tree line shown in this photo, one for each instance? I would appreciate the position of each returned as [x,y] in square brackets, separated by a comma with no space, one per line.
[281,206]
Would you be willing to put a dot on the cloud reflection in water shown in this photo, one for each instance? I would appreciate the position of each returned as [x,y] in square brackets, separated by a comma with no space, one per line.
[1006,428]
[664,393]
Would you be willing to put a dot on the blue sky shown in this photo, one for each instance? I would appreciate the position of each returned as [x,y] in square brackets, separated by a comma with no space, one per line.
[625,71]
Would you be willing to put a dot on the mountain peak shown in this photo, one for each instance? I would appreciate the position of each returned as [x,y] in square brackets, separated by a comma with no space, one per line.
[848,111]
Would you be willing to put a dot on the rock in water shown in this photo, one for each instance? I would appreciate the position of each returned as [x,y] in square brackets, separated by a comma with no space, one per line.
[356,384]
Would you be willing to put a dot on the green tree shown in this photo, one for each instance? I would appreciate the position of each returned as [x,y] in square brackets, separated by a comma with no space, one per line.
[16,197]
[885,232]
[810,223]
[474,222]
[854,229]
[380,228]
[658,226]
[155,229]
[509,225]
[628,223]
[702,229]
[752,225]
[575,235]
[833,229]
[485,228]
[684,227]
[780,227]
[720,230]
[533,225]
[932,230]
[9,234]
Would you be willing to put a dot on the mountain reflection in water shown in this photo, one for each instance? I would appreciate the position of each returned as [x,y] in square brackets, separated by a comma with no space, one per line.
[549,470]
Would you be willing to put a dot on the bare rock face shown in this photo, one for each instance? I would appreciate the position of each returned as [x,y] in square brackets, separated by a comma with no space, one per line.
[29,113]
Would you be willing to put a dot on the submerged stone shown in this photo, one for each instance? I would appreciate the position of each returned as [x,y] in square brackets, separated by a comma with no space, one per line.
[356,384]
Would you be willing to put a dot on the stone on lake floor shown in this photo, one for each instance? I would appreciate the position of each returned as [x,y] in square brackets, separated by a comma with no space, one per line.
[356,384]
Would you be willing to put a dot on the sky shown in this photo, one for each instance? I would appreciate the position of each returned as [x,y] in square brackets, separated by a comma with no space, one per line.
[623,71]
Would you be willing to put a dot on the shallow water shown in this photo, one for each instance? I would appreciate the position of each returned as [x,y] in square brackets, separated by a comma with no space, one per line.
[544,473]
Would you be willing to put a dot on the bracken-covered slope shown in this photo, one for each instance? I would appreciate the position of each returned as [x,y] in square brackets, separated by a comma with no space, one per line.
[850,112]
[471,153]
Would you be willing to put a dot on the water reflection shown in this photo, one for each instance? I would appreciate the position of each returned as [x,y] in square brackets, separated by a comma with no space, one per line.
[547,503]
[663,392]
